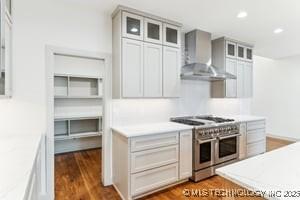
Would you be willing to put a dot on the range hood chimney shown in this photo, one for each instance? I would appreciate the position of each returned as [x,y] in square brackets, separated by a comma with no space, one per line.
[198,59]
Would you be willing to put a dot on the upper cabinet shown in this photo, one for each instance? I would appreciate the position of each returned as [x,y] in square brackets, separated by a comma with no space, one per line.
[153,31]
[132,26]
[6,49]
[230,49]
[146,55]
[249,54]
[171,35]
[235,58]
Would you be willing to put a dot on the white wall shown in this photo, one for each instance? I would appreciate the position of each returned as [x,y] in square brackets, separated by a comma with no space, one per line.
[37,23]
[195,100]
[277,94]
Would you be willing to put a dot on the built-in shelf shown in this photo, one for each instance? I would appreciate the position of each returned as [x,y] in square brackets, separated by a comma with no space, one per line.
[78,135]
[77,127]
[59,117]
[78,97]
[78,101]
[77,76]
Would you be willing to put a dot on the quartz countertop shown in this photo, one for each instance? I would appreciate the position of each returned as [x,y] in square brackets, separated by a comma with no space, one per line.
[151,128]
[277,170]
[17,153]
[244,118]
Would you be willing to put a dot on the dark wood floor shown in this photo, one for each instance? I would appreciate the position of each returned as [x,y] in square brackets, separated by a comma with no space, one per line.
[78,175]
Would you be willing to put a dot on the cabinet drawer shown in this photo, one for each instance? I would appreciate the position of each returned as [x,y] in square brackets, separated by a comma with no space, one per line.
[256,135]
[256,125]
[144,160]
[153,179]
[256,148]
[153,141]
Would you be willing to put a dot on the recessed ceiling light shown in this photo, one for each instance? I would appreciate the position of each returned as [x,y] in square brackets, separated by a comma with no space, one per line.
[134,30]
[242,14]
[278,30]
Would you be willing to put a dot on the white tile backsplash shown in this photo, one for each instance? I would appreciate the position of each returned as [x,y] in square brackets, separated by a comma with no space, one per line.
[195,100]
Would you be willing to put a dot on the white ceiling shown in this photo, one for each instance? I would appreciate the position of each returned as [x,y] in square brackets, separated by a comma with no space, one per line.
[219,18]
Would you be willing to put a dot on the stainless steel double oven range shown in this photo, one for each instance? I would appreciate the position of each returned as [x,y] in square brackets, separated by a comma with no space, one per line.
[215,143]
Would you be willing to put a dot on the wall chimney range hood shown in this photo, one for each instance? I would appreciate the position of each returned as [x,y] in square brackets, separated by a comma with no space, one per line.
[198,59]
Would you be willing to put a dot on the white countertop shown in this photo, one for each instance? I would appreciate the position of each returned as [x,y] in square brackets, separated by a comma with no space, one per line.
[17,154]
[151,128]
[277,170]
[244,118]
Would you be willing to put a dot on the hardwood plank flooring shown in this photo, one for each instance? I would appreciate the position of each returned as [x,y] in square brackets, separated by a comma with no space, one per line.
[78,177]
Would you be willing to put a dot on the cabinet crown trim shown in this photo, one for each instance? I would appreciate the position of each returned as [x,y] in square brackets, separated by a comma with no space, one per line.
[144,14]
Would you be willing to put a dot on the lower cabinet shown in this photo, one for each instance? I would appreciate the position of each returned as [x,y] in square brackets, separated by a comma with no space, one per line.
[253,138]
[144,164]
[153,179]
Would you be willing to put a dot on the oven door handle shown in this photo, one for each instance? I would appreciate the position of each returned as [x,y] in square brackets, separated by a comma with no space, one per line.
[230,136]
[205,141]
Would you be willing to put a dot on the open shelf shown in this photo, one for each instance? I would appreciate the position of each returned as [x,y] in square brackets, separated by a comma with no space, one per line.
[83,135]
[78,101]
[77,128]
[78,76]
[77,116]
[61,128]
[77,87]
[60,86]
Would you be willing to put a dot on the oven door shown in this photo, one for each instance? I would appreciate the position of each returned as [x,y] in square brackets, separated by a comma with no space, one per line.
[227,148]
[204,153]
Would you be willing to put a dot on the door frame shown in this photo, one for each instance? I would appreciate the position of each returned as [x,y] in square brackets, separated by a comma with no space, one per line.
[48,171]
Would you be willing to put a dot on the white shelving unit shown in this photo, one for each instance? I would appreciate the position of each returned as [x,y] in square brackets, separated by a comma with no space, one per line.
[78,101]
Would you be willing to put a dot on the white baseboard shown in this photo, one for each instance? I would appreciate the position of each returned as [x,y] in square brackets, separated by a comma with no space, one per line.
[283,138]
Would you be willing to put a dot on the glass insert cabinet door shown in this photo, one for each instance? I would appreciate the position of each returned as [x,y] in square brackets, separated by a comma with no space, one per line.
[249,54]
[153,31]
[132,26]
[241,52]
[231,49]
[171,35]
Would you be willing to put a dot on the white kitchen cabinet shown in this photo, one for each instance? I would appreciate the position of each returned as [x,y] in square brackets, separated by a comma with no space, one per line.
[146,55]
[231,84]
[248,80]
[243,141]
[232,56]
[153,63]
[171,71]
[153,141]
[144,164]
[240,78]
[253,138]
[241,52]
[132,73]
[249,54]
[171,35]
[153,31]
[132,26]
[153,179]
[231,49]
[244,79]
[186,154]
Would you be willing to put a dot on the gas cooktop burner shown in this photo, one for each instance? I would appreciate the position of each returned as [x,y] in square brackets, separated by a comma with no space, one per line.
[201,120]
[187,121]
[215,119]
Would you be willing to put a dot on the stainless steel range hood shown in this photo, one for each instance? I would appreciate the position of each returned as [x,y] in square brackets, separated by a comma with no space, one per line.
[198,59]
